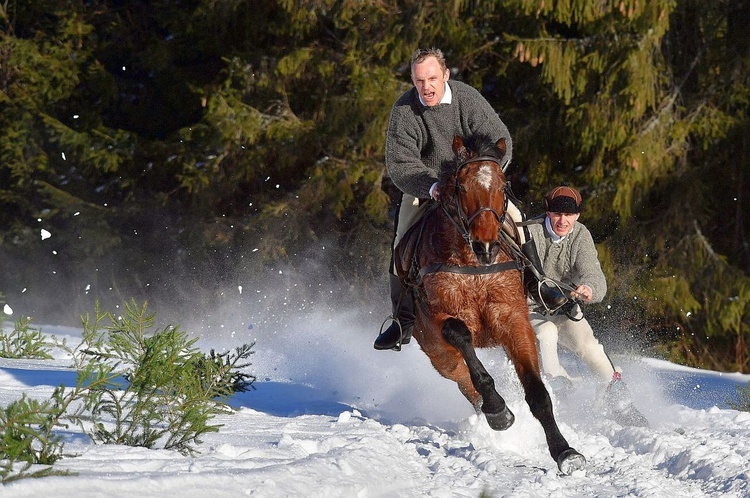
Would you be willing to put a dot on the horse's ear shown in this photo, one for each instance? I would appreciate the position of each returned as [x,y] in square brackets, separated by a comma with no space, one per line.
[500,144]
[460,149]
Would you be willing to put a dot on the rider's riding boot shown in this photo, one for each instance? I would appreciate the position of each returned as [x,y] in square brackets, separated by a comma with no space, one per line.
[399,332]
[546,295]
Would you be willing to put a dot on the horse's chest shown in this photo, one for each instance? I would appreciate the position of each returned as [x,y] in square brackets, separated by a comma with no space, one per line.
[462,294]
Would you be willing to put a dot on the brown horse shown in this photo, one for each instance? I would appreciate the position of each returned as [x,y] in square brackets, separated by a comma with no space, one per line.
[466,278]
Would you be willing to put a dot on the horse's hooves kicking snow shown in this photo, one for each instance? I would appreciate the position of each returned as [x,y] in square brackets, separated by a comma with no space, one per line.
[500,421]
[570,461]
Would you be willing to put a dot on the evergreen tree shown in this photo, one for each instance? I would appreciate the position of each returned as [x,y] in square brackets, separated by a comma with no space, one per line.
[652,102]
[263,121]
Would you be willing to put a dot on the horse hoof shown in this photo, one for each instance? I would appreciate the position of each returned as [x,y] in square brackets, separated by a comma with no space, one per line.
[500,421]
[569,461]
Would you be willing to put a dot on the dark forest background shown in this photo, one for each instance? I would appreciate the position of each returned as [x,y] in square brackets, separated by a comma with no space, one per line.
[169,146]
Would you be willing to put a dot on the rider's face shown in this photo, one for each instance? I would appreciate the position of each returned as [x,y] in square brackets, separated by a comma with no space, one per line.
[562,223]
[429,79]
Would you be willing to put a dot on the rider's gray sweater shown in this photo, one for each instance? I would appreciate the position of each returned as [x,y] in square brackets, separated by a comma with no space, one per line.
[574,260]
[420,138]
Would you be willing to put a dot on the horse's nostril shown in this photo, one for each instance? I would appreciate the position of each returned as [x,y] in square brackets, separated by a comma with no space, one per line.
[479,248]
[484,252]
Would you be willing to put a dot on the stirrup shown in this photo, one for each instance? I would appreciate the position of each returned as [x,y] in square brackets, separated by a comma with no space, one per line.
[560,300]
[403,339]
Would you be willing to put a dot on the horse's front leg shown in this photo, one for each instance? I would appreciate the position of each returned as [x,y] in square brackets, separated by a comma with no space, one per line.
[458,335]
[524,355]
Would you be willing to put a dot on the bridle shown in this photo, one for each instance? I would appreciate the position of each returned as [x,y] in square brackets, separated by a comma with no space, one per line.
[463,225]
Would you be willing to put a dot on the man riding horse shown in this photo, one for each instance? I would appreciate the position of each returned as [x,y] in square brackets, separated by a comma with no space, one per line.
[423,123]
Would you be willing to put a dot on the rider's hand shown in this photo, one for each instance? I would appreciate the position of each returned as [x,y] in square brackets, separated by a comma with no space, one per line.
[434,192]
[584,293]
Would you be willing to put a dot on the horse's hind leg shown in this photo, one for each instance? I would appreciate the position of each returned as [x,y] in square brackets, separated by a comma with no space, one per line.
[499,417]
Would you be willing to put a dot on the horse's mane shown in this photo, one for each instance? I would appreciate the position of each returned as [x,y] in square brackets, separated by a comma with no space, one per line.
[483,145]
[479,146]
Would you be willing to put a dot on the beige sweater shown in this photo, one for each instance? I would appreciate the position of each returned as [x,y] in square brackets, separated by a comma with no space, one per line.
[574,260]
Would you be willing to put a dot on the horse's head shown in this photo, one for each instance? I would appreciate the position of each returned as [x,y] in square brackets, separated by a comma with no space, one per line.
[474,190]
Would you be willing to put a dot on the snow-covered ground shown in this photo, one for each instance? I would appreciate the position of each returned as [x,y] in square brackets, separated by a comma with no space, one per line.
[332,417]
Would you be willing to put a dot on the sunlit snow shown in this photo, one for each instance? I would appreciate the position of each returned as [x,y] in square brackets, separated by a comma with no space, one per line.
[332,417]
